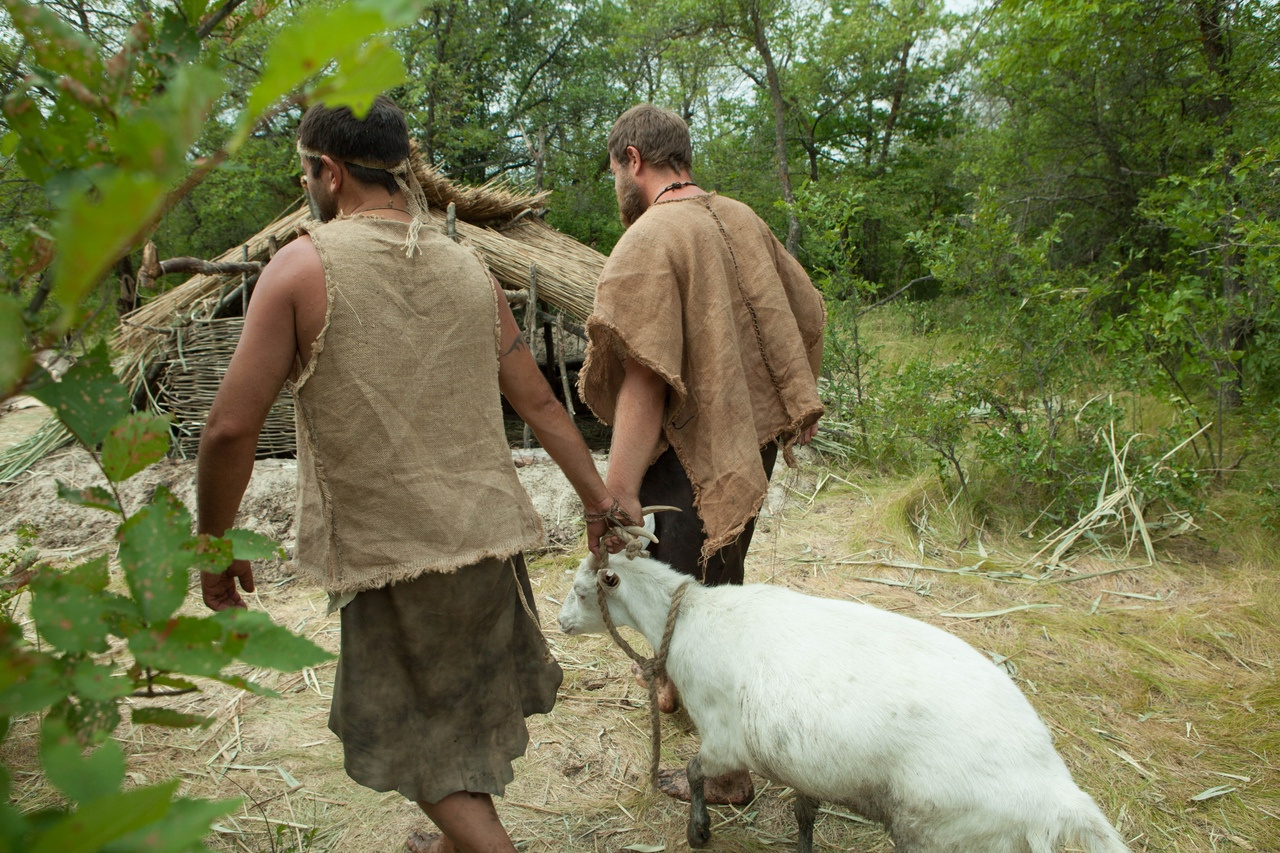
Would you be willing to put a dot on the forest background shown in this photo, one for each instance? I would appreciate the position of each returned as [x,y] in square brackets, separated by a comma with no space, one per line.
[1090,186]
[1070,206]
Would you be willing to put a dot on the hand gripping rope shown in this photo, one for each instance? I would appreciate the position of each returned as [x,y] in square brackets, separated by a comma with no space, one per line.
[652,669]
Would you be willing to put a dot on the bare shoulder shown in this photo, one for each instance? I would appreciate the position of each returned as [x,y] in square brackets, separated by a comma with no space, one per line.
[297,259]
[295,273]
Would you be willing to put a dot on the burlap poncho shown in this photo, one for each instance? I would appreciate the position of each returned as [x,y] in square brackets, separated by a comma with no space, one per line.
[403,462]
[701,292]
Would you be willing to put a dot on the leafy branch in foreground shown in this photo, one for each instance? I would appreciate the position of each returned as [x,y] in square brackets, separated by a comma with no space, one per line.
[100,646]
[109,137]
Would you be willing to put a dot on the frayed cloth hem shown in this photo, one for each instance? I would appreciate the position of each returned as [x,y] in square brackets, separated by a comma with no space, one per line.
[384,576]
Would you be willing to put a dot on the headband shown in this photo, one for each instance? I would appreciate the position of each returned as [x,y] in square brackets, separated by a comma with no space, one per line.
[406,180]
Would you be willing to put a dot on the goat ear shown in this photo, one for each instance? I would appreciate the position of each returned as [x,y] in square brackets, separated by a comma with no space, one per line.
[610,579]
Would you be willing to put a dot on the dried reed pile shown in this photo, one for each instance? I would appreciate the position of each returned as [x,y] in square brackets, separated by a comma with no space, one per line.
[489,204]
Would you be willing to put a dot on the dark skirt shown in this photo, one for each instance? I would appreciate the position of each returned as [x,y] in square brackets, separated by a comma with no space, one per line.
[435,678]
[681,534]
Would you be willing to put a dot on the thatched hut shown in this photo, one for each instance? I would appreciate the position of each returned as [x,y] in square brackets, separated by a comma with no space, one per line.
[175,349]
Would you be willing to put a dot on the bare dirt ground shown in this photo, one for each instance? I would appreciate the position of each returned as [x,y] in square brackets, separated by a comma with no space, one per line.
[1157,682]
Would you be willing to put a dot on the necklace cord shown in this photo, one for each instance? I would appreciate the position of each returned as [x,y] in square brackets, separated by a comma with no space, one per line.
[678,185]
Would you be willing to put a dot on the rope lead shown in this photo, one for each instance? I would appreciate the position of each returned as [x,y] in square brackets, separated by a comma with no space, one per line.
[655,668]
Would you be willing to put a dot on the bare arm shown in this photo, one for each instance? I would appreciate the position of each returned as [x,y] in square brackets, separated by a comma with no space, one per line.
[261,363]
[524,386]
[637,426]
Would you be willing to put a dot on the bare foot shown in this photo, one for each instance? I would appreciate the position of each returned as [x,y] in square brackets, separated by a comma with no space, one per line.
[428,842]
[668,699]
[731,789]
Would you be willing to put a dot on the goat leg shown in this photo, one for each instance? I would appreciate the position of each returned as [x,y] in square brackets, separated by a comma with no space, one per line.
[699,821]
[806,813]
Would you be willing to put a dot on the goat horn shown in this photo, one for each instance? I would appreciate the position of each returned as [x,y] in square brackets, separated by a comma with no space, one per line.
[660,508]
[640,532]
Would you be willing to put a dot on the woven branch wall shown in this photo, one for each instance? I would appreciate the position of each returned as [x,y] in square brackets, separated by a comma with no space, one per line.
[189,381]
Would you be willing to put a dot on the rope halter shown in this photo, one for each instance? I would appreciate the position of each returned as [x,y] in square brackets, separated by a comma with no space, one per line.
[652,669]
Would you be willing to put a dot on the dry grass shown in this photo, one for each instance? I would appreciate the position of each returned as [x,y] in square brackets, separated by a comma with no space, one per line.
[1157,682]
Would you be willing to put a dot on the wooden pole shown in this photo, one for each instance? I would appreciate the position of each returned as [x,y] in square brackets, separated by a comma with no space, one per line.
[530,324]
[564,373]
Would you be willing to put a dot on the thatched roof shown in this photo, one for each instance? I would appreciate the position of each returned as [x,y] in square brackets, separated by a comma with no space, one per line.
[174,348]
[502,225]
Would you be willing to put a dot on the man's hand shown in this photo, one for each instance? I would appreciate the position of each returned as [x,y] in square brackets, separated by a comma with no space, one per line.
[807,434]
[598,535]
[634,516]
[219,589]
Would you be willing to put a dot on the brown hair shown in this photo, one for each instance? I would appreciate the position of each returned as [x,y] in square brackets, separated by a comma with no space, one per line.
[661,137]
[382,136]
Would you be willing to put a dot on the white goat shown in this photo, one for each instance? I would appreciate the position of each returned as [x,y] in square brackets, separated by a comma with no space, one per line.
[892,717]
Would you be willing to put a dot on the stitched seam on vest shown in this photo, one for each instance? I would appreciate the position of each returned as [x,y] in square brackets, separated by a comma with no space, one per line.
[317,346]
[326,499]
[755,321]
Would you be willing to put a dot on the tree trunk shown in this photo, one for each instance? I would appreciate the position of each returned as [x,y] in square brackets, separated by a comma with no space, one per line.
[895,104]
[761,42]
[1232,333]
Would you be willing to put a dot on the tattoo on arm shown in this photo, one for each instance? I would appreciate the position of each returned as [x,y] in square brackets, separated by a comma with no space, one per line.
[518,343]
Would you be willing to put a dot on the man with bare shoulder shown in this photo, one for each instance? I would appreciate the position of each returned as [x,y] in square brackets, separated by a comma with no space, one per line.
[398,343]
[705,347]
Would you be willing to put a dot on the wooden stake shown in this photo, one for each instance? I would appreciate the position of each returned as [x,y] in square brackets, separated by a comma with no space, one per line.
[530,324]
[564,373]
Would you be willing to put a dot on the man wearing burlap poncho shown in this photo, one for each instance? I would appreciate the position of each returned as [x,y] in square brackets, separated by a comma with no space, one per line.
[705,347]
[409,510]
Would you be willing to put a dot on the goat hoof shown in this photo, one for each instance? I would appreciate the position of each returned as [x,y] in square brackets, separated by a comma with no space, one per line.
[698,836]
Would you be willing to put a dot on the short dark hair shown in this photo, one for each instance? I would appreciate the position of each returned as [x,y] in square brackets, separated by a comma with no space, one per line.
[661,136]
[382,136]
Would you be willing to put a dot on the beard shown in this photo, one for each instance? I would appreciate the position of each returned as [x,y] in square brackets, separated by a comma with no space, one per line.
[323,207]
[631,201]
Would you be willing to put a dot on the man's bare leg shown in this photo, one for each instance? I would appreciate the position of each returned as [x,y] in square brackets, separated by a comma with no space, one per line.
[668,699]
[734,788]
[470,824]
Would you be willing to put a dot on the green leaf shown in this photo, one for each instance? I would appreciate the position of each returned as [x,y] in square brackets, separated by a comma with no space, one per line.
[268,644]
[169,718]
[186,644]
[106,819]
[29,680]
[316,37]
[176,38]
[81,777]
[171,681]
[375,68]
[98,683]
[91,234]
[244,684]
[178,831]
[133,444]
[158,137]
[94,497]
[9,143]
[248,545]
[154,555]
[194,10]
[14,356]
[210,553]
[69,608]
[89,399]
[13,826]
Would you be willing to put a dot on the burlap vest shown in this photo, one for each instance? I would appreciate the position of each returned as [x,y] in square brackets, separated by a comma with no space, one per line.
[403,461]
